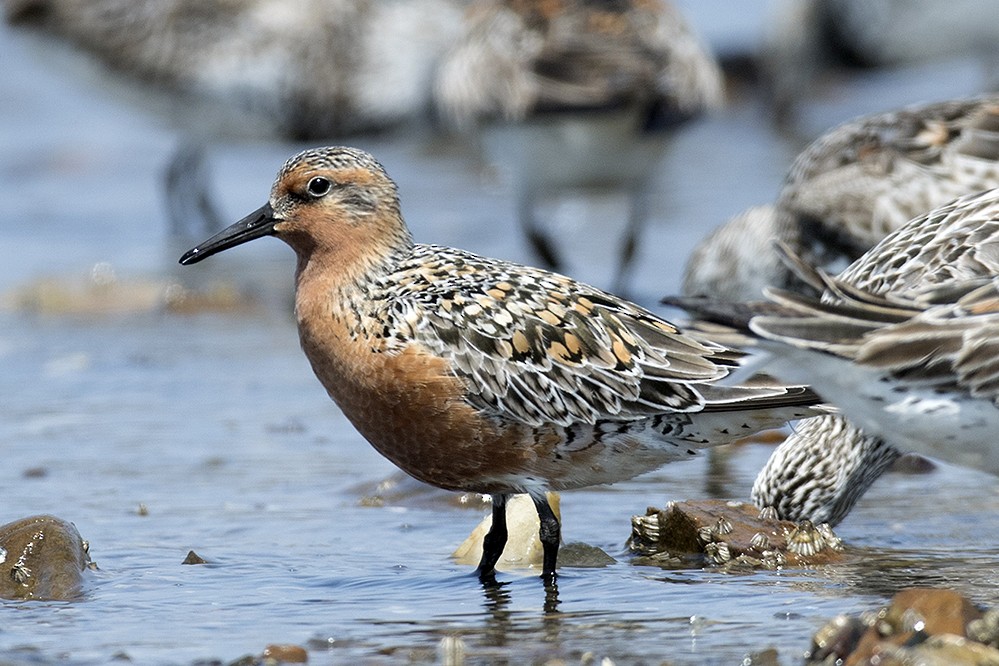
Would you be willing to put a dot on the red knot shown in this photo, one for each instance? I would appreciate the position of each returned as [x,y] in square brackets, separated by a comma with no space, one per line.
[476,374]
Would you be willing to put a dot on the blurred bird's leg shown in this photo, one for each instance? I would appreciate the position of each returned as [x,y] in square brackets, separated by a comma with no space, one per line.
[191,211]
[541,243]
[638,214]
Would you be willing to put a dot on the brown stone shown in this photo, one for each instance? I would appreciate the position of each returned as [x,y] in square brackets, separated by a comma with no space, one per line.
[285,654]
[942,650]
[836,640]
[912,613]
[42,557]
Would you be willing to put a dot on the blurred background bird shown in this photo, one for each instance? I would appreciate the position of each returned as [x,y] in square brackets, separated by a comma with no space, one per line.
[810,44]
[850,188]
[223,70]
[576,94]
[303,70]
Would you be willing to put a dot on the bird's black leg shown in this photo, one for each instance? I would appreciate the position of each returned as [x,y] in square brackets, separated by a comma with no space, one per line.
[550,535]
[495,540]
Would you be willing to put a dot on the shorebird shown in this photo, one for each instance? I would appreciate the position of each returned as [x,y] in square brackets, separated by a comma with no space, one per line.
[826,465]
[306,69]
[576,94]
[849,189]
[901,340]
[843,193]
[482,375]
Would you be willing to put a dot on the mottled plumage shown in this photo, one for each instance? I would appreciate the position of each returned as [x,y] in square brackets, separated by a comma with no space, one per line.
[850,188]
[820,471]
[737,260]
[518,58]
[843,193]
[478,374]
[868,177]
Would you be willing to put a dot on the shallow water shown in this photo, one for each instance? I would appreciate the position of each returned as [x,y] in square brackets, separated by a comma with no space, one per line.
[215,425]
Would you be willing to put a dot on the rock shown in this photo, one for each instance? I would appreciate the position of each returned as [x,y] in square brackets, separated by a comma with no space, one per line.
[42,557]
[942,650]
[729,533]
[194,558]
[285,654]
[583,556]
[986,628]
[937,611]
[912,463]
[836,640]
[764,657]
[913,615]
[929,627]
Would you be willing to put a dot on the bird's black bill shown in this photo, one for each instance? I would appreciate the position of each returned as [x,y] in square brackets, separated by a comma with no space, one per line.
[258,223]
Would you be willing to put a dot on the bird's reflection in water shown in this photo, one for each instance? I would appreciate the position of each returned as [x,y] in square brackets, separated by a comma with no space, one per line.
[500,622]
[497,607]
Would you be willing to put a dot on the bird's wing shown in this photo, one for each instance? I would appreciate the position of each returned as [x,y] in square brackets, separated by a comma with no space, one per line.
[541,348]
[941,335]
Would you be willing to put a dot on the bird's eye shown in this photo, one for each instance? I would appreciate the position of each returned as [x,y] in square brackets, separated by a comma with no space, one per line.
[319,187]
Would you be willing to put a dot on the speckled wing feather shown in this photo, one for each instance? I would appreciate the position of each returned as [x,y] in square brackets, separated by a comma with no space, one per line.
[820,471]
[870,311]
[953,344]
[957,241]
[540,348]
[870,176]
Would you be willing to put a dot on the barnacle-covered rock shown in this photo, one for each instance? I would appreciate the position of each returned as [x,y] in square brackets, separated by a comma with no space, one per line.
[42,557]
[734,534]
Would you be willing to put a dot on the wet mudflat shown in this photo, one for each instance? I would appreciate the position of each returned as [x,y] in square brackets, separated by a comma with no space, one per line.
[159,429]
